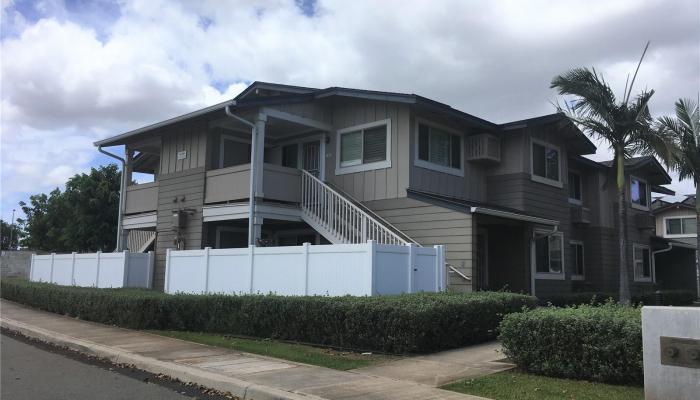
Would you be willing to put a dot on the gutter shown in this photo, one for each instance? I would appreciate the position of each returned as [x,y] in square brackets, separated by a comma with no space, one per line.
[512,215]
[253,172]
[122,186]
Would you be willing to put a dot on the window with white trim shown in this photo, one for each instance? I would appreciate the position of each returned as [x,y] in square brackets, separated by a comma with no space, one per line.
[549,255]
[686,226]
[639,193]
[577,259]
[575,188]
[439,147]
[641,256]
[364,147]
[546,163]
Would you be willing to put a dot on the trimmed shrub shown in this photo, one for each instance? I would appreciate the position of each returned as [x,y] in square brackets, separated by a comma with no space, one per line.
[397,324]
[670,298]
[599,343]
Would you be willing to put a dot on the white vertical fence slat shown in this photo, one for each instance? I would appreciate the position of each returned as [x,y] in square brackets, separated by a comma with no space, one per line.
[99,269]
[343,269]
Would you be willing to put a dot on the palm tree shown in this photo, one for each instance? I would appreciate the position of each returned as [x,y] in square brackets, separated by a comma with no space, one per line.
[627,127]
[684,132]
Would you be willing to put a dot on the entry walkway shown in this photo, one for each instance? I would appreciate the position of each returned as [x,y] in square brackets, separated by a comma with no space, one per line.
[245,375]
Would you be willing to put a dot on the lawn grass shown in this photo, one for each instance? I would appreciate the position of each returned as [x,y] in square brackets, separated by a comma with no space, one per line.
[323,357]
[521,386]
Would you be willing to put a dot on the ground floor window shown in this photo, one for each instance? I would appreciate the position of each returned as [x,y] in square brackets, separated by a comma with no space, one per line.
[642,263]
[577,260]
[549,256]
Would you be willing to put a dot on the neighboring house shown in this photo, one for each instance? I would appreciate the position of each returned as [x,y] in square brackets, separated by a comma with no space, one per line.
[516,204]
[676,224]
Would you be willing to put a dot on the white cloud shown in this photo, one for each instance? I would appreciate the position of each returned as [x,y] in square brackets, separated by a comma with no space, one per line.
[69,79]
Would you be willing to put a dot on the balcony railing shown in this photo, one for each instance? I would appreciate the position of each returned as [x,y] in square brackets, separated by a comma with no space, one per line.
[141,198]
[233,183]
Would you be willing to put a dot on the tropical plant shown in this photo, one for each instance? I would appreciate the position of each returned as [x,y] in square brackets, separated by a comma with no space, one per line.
[625,124]
[683,131]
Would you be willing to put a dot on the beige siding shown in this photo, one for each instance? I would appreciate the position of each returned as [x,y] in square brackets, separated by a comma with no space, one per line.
[178,191]
[190,137]
[672,212]
[141,198]
[431,225]
[377,184]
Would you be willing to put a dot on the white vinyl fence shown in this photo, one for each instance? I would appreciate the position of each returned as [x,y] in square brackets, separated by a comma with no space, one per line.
[334,270]
[102,270]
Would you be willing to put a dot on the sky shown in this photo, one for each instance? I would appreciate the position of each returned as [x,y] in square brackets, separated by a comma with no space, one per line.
[77,71]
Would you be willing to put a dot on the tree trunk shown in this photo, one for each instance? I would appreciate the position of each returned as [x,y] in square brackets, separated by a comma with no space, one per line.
[697,249]
[624,297]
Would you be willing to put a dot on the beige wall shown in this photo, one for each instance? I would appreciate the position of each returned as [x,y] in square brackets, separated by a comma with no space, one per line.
[187,136]
[141,198]
[377,184]
[431,225]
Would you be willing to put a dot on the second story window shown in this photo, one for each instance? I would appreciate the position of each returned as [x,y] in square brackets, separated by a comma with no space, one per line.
[575,188]
[546,163]
[639,193]
[439,149]
[681,226]
[364,147]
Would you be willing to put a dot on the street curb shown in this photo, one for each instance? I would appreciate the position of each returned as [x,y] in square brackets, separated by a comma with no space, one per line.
[240,388]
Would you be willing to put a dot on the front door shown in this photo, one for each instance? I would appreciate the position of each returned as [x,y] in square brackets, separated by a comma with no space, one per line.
[311,157]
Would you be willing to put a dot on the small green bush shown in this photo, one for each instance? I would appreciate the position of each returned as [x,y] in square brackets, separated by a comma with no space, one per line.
[670,298]
[598,343]
[397,324]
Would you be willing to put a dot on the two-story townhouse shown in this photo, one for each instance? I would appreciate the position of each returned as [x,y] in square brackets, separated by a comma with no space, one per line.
[516,204]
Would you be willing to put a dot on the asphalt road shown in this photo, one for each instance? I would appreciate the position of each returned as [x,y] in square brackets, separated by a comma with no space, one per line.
[37,371]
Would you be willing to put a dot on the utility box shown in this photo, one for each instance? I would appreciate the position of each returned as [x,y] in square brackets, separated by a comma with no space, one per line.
[671,344]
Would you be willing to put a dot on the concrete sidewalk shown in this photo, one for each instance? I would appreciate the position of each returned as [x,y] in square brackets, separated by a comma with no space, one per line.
[245,375]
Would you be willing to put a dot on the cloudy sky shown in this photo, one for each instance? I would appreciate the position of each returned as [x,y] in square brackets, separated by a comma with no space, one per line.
[76,71]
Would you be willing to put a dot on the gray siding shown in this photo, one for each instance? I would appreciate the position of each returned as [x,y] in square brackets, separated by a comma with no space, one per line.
[190,185]
[431,225]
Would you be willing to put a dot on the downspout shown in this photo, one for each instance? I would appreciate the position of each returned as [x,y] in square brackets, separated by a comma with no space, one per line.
[122,186]
[653,258]
[253,172]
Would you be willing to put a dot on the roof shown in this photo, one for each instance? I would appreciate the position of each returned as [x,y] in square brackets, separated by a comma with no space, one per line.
[673,242]
[266,93]
[688,203]
[476,207]
[654,170]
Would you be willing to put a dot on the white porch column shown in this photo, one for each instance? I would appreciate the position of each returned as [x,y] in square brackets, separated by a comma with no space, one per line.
[257,163]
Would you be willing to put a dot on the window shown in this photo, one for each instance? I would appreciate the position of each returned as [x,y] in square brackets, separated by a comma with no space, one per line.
[575,188]
[549,256]
[681,226]
[233,151]
[364,147]
[576,254]
[545,163]
[642,263]
[439,149]
[639,193]
[290,155]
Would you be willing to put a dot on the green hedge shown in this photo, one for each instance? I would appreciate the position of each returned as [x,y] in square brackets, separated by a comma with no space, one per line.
[599,343]
[670,298]
[397,324]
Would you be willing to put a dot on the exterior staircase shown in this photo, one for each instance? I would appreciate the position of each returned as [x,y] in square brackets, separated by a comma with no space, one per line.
[139,241]
[341,219]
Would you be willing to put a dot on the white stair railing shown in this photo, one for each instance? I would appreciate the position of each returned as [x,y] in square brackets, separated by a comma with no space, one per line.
[331,211]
